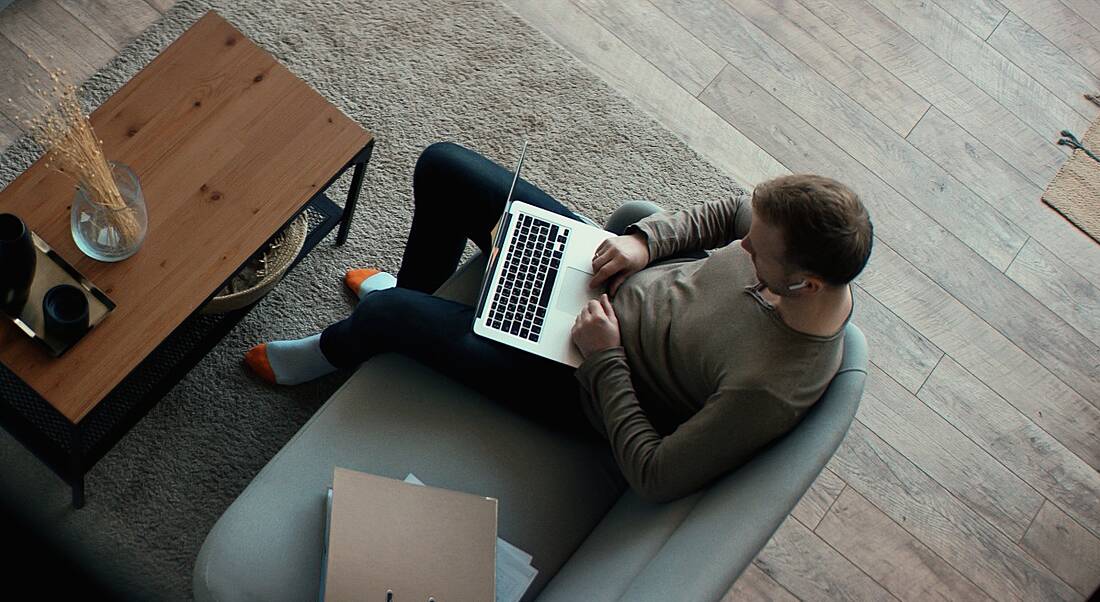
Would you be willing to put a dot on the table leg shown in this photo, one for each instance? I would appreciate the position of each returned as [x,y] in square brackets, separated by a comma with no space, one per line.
[353,193]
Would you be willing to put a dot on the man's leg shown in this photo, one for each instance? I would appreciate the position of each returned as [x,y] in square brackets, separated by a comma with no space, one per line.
[439,334]
[458,194]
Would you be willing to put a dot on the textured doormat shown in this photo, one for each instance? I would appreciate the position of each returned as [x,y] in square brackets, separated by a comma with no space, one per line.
[413,72]
[1075,190]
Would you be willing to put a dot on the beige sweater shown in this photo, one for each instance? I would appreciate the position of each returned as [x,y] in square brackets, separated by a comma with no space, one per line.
[708,373]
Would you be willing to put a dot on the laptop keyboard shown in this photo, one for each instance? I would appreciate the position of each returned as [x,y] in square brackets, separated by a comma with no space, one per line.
[528,274]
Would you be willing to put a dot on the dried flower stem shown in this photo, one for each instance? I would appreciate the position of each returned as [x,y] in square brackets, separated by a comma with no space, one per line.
[73,149]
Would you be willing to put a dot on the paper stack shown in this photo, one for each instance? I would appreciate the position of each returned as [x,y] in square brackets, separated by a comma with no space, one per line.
[388,540]
[514,573]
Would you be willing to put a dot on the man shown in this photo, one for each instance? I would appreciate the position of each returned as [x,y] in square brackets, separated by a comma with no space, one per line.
[692,362]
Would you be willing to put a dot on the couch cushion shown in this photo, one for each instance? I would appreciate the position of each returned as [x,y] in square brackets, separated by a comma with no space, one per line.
[391,418]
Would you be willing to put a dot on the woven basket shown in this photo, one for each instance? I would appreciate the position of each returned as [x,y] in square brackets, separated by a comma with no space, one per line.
[263,272]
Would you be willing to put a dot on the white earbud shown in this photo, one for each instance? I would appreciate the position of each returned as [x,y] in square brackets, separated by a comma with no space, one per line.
[795,287]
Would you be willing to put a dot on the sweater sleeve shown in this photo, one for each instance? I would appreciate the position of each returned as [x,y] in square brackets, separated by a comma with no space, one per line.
[721,436]
[699,228]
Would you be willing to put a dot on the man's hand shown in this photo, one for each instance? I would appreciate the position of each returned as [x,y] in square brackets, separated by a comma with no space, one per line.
[596,327]
[617,259]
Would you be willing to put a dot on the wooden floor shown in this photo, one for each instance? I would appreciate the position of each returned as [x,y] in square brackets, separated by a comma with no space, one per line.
[971,472]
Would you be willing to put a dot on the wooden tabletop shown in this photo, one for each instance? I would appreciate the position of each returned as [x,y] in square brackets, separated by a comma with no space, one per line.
[228,145]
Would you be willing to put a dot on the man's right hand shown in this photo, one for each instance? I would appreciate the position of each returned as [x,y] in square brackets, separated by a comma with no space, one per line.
[618,258]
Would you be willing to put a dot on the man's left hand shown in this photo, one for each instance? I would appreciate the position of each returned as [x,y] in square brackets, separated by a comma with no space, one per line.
[596,327]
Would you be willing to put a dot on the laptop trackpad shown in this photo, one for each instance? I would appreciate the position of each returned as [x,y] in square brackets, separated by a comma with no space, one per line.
[574,291]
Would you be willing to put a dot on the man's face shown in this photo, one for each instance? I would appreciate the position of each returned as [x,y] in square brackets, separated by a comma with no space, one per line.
[764,243]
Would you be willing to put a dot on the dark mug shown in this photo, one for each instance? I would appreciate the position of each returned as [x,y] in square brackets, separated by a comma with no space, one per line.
[17,264]
[65,312]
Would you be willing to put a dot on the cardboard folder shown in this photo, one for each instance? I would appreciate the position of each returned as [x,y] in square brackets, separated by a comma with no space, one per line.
[412,542]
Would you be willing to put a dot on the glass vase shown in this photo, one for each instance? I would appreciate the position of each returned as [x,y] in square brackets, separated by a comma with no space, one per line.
[110,230]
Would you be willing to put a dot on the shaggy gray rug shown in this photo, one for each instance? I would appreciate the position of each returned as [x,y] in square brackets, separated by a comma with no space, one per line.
[413,72]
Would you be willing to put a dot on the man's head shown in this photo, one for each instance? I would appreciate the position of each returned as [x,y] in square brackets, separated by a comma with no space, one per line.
[809,233]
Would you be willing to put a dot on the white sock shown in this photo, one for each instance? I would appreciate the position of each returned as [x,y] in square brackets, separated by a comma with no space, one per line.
[377,282]
[298,361]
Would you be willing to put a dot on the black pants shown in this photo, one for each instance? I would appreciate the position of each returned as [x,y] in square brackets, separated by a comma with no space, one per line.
[458,195]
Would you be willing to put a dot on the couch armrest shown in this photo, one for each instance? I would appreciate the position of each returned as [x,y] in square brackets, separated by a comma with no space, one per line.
[696,547]
[465,284]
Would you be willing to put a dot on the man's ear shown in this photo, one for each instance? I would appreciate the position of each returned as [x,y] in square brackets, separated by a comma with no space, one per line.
[808,285]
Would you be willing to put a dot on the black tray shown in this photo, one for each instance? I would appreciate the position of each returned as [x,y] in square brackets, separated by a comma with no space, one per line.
[51,270]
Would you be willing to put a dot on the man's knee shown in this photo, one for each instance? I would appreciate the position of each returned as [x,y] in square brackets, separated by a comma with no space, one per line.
[628,213]
[398,304]
[437,159]
[383,306]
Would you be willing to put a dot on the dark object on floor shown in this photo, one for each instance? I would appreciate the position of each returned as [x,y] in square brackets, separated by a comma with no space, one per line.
[23,570]
[1068,139]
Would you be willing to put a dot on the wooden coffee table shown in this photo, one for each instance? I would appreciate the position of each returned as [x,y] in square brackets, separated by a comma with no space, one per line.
[229,147]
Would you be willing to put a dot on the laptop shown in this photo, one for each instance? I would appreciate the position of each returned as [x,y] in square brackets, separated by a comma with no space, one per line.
[536,281]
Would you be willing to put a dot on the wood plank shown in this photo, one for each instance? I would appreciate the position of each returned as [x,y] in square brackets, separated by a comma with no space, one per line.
[890,555]
[1063,27]
[803,564]
[1047,64]
[818,499]
[17,72]
[1066,548]
[754,585]
[1089,10]
[885,153]
[948,456]
[947,526]
[951,264]
[979,16]
[1020,379]
[42,29]
[896,347]
[970,55]
[651,34]
[116,22]
[1005,188]
[9,132]
[1033,153]
[1059,288]
[162,6]
[1018,442]
[634,77]
[837,60]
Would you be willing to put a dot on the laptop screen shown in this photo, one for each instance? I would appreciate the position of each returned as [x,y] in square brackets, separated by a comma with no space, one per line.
[499,233]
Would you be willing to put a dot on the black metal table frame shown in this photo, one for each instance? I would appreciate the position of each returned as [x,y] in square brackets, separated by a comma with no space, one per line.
[71,450]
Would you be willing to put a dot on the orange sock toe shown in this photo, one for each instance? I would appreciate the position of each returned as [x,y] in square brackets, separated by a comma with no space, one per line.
[256,359]
[354,278]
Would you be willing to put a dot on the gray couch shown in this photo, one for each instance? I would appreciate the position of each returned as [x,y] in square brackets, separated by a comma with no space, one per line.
[590,539]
